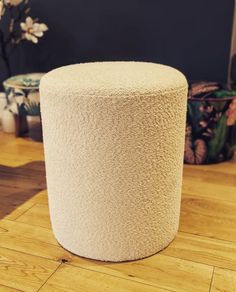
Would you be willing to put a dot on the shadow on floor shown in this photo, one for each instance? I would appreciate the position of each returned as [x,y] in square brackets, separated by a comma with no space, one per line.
[19,184]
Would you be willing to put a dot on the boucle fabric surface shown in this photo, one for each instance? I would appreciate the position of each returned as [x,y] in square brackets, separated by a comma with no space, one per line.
[114,139]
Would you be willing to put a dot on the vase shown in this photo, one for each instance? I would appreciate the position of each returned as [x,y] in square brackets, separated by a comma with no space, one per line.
[3,104]
[8,121]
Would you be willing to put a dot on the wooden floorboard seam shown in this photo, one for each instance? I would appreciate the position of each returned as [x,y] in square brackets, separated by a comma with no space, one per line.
[166,255]
[212,279]
[49,277]
[77,265]
[18,290]
[22,213]
[114,276]
[186,194]
[31,254]
[194,261]
[27,223]
[204,236]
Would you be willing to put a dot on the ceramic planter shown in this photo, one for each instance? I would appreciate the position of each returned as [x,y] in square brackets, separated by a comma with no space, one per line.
[211,128]
[22,93]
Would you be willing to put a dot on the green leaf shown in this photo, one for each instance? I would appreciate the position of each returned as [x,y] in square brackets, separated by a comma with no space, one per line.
[218,141]
[32,108]
[220,105]
[195,115]
[229,151]
[225,93]
[232,139]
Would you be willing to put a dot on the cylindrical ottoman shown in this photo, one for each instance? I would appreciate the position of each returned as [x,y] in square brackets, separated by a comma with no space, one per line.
[114,140]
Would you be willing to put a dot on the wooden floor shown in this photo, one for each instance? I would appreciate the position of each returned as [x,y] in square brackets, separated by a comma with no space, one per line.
[201,258]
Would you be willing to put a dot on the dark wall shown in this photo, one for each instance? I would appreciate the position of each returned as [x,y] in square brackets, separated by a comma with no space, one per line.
[193,36]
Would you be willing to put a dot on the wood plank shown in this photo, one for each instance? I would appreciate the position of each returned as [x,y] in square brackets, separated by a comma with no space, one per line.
[208,212]
[203,174]
[226,167]
[16,201]
[203,250]
[13,155]
[17,151]
[224,281]
[8,289]
[13,214]
[68,278]
[40,248]
[40,198]
[159,270]
[33,240]
[5,138]
[209,190]
[18,185]
[26,176]
[7,159]
[40,241]
[37,215]
[27,230]
[9,190]
[207,217]
[23,271]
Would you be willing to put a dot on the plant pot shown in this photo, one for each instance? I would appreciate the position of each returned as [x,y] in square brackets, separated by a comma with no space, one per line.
[21,125]
[34,128]
[22,92]
[211,130]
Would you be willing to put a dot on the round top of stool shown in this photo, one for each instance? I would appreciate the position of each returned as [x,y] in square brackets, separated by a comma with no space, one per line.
[123,78]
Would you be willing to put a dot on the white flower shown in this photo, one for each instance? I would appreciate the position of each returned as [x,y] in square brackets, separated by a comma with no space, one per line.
[13,2]
[2,8]
[33,30]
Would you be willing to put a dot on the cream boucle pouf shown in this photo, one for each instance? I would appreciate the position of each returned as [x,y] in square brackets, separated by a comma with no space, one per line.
[114,139]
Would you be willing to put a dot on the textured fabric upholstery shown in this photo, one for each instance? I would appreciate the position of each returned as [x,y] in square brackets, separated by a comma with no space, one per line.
[114,139]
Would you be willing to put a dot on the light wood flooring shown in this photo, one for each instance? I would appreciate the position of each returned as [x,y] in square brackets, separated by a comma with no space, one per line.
[201,258]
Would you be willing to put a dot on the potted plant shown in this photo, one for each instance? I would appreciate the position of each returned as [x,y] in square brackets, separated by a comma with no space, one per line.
[16,26]
[211,124]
